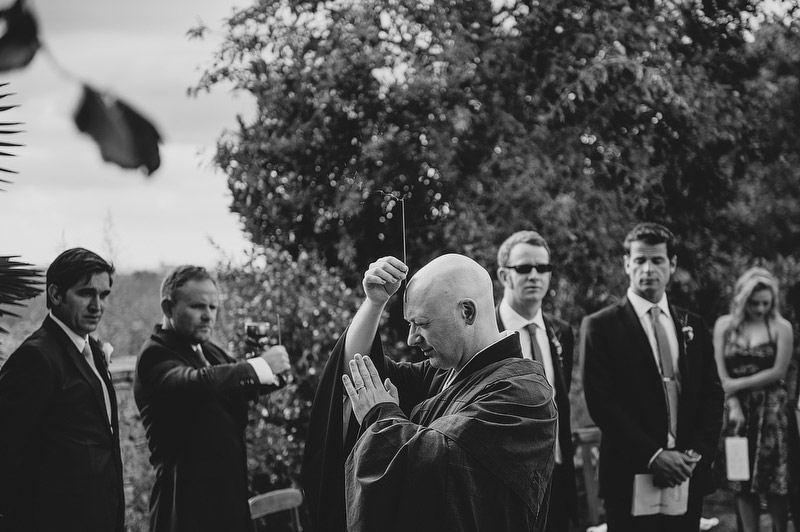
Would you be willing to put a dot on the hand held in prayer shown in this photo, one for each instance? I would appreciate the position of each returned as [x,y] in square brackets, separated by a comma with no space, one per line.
[366,389]
[383,278]
[277,357]
[671,468]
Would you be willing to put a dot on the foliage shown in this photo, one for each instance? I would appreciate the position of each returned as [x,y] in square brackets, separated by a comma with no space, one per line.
[307,306]
[18,280]
[134,309]
[576,118]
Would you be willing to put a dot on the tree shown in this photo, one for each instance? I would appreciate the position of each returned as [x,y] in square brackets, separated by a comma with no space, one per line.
[306,306]
[576,118]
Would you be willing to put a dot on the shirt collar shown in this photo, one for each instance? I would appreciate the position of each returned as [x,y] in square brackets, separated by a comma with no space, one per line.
[79,341]
[514,321]
[642,306]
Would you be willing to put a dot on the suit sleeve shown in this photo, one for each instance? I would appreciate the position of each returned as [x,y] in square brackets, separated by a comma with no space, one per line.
[568,344]
[26,386]
[163,373]
[603,400]
[705,437]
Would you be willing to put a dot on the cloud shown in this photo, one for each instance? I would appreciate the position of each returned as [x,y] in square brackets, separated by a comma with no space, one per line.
[65,195]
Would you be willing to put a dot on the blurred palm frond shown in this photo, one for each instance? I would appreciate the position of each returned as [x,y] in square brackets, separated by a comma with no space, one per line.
[4,130]
[18,281]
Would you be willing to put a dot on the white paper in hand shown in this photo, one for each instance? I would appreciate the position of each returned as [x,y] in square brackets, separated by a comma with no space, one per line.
[737,458]
[649,499]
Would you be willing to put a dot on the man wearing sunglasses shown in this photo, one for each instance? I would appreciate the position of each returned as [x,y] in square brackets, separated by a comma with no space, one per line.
[524,269]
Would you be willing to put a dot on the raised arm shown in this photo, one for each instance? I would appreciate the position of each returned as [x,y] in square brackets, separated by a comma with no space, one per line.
[380,282]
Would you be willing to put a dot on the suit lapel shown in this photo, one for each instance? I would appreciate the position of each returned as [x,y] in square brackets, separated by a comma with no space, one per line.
[213,355]
[83,366]
[681,319]
[105,374]
[641,345]
[183,349]
[556,355]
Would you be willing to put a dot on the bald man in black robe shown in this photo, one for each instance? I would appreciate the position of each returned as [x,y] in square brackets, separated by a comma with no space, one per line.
[463,440]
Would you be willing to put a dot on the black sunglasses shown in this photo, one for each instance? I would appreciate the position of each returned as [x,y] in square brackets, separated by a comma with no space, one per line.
[526,268]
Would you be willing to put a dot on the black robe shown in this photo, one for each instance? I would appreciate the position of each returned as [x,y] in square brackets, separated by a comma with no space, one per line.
[475,456]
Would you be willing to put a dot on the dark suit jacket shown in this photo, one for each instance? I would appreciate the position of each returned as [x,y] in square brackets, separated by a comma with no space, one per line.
[60,465]
[562,348]
[625,397]
[195,417]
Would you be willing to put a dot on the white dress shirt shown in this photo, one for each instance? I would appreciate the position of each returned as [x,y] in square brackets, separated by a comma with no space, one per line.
[642,308]
[263,371]
[513,321]
[80,343]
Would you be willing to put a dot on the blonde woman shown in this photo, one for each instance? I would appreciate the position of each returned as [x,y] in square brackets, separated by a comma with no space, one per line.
[753,349]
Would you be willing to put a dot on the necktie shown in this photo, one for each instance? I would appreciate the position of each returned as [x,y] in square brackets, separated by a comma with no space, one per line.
[87,354]
[671,390]
[536,352]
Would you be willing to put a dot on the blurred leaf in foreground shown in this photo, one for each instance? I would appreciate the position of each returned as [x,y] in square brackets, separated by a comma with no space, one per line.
[124,136]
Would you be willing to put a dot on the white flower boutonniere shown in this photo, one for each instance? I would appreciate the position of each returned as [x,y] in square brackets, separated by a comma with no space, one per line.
[557,345]
[687,331]
[107,349]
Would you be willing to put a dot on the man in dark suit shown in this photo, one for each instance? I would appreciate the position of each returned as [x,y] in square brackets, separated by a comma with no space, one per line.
[652,387]
[60,465]
[193,400]
[524,269]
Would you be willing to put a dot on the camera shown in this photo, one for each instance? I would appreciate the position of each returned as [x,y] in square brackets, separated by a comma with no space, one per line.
[256,330]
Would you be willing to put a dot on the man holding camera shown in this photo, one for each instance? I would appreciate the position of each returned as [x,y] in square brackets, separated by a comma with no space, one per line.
[193,397]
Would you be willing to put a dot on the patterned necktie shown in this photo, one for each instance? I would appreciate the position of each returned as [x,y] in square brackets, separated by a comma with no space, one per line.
[87,354]
[671,390]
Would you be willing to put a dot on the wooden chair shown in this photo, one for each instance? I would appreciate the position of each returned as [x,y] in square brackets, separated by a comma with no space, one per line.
[588,439]
[278,501]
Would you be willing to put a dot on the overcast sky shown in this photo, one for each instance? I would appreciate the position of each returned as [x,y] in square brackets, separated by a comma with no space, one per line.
[65,195]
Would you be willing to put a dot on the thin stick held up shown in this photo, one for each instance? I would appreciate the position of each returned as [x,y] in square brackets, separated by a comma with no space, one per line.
[403,216]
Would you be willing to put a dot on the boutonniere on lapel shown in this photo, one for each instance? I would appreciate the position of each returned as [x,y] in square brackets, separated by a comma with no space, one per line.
[557,344]
[687,331]
[107,349]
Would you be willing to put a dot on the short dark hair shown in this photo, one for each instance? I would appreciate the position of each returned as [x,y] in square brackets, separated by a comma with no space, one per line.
[179,276]
[652,234]
[520,237]
[74,266]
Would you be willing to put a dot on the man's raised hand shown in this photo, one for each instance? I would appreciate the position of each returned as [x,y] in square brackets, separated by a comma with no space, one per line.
[277,357]
[383,278]
[366,389]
